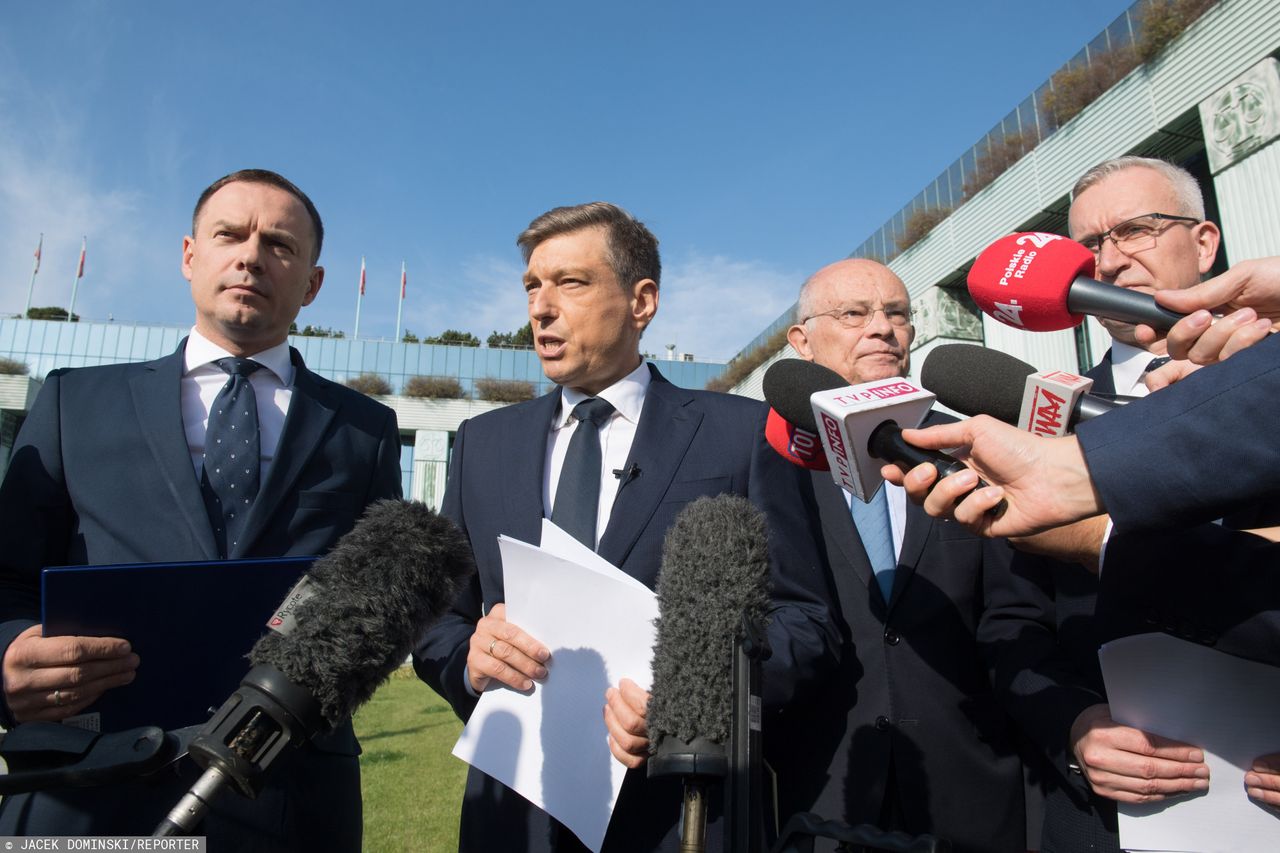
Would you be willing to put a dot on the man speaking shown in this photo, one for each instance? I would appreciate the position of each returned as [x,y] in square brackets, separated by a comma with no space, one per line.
[611,455]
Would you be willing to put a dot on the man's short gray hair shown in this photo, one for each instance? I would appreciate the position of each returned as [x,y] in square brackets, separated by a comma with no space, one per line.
[1185,187]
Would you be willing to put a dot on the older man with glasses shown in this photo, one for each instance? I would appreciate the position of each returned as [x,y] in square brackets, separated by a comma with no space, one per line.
[911,735]
[1144,221]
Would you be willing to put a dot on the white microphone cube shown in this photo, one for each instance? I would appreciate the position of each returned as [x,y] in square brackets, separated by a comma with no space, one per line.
[1048,399]
[846,418]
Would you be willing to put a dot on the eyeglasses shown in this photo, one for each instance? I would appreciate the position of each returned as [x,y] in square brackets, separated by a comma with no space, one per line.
[1134,235]
[857,316]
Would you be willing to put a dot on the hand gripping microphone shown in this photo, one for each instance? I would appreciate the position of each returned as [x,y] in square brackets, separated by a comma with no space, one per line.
[713,595]
[1043,282]
[350,621]
[975,380]
[857,423]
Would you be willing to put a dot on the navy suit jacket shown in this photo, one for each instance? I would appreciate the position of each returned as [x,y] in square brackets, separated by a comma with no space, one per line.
[688,444]
[101,474]
[913,705]
[1197,451]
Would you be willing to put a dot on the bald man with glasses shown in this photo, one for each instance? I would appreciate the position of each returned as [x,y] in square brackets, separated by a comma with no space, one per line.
[910,734]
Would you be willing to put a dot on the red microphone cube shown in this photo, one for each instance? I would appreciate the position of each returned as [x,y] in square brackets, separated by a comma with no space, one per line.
[1022,280]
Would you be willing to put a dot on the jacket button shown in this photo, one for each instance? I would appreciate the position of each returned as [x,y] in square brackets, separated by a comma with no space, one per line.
[882,723]
[892,637]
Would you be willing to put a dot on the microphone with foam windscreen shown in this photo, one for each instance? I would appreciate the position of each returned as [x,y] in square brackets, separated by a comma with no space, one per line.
[859,423]
[352,620]
[975,380]
[1043,282]
[714,581]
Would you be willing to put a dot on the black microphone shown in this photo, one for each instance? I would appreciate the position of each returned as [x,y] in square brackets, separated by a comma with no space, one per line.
[788,384]
[350,622]
[975,380]
[714,579]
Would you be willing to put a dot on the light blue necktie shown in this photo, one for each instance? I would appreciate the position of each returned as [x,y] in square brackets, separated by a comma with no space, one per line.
[872,521]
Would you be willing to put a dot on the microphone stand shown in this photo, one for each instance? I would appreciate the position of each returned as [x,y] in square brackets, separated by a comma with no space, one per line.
[745,812]
[41,756]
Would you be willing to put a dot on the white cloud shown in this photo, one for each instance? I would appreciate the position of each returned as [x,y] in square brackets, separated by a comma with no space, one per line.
[486,297]
[712,306]
[46,186]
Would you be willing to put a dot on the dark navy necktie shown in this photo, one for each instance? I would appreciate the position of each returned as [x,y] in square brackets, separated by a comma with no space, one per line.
[578,490]
[1157,363]
[231,454]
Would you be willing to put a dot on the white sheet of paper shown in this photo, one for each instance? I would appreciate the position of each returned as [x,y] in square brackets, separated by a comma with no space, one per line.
[1223,704]
[550,744]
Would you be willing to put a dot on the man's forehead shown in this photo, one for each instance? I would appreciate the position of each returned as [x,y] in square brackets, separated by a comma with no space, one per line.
[861,285]
[243,200]
[1123,195]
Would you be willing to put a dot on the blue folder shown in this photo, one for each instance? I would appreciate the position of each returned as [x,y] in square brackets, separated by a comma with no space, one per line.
[191,625]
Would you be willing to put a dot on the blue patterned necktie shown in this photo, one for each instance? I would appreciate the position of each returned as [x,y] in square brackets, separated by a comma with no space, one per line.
[872,521]
[232,455]
[578,490]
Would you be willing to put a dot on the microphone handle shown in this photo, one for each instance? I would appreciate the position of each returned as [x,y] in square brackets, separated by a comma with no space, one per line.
[194,805]
[886,442]
[693,836]
[1097,299]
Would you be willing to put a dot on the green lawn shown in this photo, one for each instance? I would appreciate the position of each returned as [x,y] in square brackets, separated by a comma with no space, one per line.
[412,784]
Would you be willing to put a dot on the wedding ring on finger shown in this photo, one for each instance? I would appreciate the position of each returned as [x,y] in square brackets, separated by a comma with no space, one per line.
[492,643]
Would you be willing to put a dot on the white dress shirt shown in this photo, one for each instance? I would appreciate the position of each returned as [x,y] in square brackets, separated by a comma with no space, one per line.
[202,380]
[616,437]
[1128,366]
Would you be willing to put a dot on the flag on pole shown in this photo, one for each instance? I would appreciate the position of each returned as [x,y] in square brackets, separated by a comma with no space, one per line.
[362,275]
[404,280]
[80,269]
[36,267]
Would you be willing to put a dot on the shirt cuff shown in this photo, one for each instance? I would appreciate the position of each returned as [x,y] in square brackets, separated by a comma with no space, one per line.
[1102,551]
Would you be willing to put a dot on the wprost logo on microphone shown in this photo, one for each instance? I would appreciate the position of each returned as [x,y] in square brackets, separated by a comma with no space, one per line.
[284,620]
[1048,400]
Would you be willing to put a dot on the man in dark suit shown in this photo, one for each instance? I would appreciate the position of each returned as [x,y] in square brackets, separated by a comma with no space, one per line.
[911,735]
[113,465]
[592,283]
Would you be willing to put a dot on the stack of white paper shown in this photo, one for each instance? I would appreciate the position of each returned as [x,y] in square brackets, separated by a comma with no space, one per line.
[550,744]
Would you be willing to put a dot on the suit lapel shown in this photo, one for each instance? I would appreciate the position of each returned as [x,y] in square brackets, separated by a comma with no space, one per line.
[919,527]
[311,409]
[1104,381]
[523,462]
[838,527]
[157,400]
[667,426]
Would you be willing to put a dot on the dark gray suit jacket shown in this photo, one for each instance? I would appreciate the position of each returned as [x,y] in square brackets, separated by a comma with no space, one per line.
[101,474]
[688,444]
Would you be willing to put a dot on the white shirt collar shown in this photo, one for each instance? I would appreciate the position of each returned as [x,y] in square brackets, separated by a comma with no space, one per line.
[201,351]
[626,395]
[1128,363]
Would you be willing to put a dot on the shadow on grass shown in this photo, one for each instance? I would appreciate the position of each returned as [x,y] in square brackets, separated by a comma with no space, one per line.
[365,738]
[382,756]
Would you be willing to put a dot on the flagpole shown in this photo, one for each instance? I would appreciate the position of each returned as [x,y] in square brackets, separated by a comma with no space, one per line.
[400,308]
[359,299]
[35,268]
[71,311]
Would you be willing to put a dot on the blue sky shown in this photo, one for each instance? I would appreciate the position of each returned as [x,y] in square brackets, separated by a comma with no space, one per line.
[758,140]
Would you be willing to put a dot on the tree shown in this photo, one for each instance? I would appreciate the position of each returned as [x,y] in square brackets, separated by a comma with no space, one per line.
[522,337]
[369,383]
[452,337]
[51,312]
[408,337]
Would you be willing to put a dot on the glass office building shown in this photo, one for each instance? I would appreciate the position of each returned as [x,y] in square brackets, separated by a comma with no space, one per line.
[426,426]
